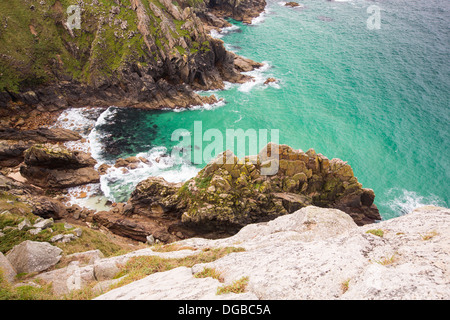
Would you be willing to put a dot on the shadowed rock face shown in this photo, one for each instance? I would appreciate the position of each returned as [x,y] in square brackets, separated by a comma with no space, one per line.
[242,10]
[230,193]
[53,166]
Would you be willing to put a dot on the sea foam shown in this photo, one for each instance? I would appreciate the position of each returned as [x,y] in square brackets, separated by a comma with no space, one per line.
[405,201]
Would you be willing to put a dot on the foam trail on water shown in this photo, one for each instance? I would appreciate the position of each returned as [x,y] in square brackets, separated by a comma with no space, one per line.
[262,16]
[80,120]
[405,201]
[259,76]
[224,31]
[205,106]
[118,183]
[95,136]
[83,121]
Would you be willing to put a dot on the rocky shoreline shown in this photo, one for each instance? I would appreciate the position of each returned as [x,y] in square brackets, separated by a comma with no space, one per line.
[218,202]
[163,69]
[312,207]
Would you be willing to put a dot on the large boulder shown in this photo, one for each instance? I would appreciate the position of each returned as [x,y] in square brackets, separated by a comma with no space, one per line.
[33,256]
[14,142]
[54,166]
[317,253]
[55,156]
[278,181]
[46,207]
[40,135]
[59,178]
[7,269]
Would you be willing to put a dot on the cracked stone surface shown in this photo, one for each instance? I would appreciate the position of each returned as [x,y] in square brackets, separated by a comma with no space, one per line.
[318,253]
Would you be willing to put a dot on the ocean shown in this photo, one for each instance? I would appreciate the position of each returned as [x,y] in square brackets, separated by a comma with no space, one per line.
[364,81]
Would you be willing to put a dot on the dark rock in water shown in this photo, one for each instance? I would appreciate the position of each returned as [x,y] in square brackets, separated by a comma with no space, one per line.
[270,80]
[291,4]
[243,10]
[230,193]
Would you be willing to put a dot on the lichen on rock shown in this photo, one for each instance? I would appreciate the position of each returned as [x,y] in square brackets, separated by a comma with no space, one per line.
[229,193]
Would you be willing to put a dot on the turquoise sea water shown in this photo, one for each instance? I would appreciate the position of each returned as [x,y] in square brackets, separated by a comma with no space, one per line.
[378,99]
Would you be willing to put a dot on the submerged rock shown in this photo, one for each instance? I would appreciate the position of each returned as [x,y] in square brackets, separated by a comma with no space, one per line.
[292,4]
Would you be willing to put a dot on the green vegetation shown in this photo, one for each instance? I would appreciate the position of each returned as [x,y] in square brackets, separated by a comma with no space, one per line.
[429,235]
[26,292]
[377,232]
[13,211]
[238,286]
[209,272]
[203,183]
[345,285]
[37,48]
[387,260]
[139,267]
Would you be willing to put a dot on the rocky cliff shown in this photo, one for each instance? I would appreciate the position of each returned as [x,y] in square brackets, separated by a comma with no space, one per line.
[230,193]
[141,53]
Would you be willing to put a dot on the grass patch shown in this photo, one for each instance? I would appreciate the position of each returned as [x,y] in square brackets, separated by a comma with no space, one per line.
[209,272]
[170,247]
[203,183]
[13,211]
[345,286]
[377,232]
[238,286]
[26,292]
[429,235]
[137,268]
[387,260]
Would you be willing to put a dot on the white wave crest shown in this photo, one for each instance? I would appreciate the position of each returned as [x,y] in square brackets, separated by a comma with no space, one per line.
[118,183]
[259,76]
[405,201]
[262,16]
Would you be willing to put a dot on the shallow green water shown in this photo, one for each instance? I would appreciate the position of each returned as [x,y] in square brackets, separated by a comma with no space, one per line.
[378,99]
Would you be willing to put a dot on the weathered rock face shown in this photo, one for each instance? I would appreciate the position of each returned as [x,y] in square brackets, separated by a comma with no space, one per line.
[46,207]
[53,166]
[7,269]
[318,253]
[40,135]
[127,53]
[33,256]
[230,193]
[13,142]
[242,10]
[236,191]
[11,152]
